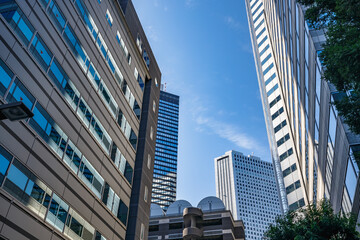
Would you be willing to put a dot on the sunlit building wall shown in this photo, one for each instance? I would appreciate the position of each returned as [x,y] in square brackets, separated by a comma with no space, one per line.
[86,71]
[247,186]
[311,147]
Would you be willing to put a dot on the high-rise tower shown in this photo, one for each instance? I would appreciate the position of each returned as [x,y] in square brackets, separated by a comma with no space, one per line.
[86,71]
[309,142]
[247,186]
[165,166]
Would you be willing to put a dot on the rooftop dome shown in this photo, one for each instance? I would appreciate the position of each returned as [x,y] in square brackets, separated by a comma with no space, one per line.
[177,207]
[210,204]
[156,210]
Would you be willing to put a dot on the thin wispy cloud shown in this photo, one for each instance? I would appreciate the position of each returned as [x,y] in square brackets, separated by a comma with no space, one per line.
[151,33]
[229,132]
[232,22]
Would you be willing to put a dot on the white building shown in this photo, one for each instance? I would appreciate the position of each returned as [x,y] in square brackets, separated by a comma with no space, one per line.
[310,146]
[246,185]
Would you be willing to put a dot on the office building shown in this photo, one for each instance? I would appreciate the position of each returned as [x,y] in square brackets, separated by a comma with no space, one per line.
[86,71]
[165,166]
[311,147]
[209,220]
[247,186]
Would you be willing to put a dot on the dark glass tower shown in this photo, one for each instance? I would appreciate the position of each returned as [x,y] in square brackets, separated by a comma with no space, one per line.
[165,167]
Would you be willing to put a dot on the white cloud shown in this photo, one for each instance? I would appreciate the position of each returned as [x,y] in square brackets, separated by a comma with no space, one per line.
[229,132]
[151,34]
[233,23]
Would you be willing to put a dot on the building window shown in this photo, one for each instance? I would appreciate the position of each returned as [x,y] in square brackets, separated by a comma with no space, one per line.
[146,192]
[139,43]
[151,133]
[142,232]
[109,18]
[156,83]
[154,106]
[149,161]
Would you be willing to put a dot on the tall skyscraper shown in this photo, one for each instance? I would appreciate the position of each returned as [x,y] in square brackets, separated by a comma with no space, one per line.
[86,71]
[165,167]
[247,186]
[312,149]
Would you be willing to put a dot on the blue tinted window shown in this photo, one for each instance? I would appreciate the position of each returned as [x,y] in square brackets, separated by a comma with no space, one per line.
[266,59]
[270,79]
[17,20]
[257,9]
[272,90]
[257,18]
[268,69]
[18,92]
[260,33]
[57,15]
[58,75]
[264,50]
[17,177]
[41,52]
[70,36]
[259,25]
[262,41]
[5,77]
[5,158]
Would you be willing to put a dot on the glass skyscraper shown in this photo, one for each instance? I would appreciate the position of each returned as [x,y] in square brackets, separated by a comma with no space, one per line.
[165,167]
[311,147]
[247,186]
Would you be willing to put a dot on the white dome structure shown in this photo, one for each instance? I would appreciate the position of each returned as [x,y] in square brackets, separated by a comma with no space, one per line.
[156,210]
[177,207]
[210,204]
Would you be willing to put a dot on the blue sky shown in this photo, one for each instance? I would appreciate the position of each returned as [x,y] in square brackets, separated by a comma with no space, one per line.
[204,52]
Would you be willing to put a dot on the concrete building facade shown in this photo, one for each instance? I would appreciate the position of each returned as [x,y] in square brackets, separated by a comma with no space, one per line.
[166,152]
[247,186]
[209,220]
[311,147]
[86,71]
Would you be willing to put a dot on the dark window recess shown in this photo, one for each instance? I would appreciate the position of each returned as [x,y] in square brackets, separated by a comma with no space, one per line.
[212,222]
[123,212]
[153,228]
[176,225]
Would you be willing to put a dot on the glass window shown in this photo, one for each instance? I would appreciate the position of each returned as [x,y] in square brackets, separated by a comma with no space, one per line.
[58,75]
[266,59]
[123,212]
[128,173]
[133,139]
[260,33]
[270,79]
[57,213]
[17,20]
[91,177]
[41,52]
[56,15]
[109,18]
[268,69]
[5,159]
[332,126]
[18,92]
[351,180]
[318,82]
[5,77]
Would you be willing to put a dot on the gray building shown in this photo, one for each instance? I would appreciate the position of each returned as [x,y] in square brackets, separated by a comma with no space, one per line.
[166,151]
[247,186]
[74,170]
[311,147]
[209,220]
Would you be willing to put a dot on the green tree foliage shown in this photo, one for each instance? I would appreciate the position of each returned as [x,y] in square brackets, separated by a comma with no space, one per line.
[313,223]
[341,53]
